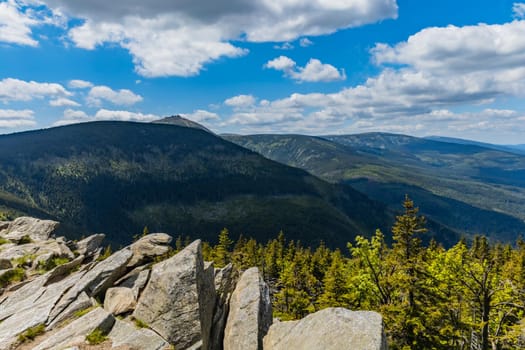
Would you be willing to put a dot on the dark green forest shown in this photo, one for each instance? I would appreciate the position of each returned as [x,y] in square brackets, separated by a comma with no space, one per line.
[469,296]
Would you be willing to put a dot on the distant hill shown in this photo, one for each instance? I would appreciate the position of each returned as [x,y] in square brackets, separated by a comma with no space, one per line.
[181,121]
[468,188]
[117,177]
[518,149]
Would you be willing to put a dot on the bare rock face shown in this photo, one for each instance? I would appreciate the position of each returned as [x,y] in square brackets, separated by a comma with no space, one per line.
[329,329]
[128,336]
[149,246]
[178,300]
[119,300]
[250,313]
[76,331]
[89,245]
[35,229]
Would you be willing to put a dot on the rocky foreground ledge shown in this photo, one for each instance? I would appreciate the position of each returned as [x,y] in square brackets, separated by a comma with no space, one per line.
[61,294]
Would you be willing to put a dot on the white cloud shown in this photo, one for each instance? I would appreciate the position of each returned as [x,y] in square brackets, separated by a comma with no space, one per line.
[200,116]
[179,38]
[305,42]
[281,63]
[105,114]
[518,9]
[284,46]
[79,84]
[124,97]
[62,102]
[72,116]
[18,17]
[77,116]
[16,113]
[240,101]
[15,26]
[20,90]
[314,71]
[12,118]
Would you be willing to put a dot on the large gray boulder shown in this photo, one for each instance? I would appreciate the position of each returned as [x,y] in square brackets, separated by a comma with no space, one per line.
[250,313]
[178,300]
[35,229]
[149,246]
[119,300]
[76,332]
[128,336]
[329,329]
[89,245]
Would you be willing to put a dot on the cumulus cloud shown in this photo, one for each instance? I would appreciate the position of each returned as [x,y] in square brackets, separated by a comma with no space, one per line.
[105,114]
[62,102]
[72,116]
[12,118]
[79,84]
[305,42]
[518,9]
[179,38]
[20,90]
[123,97]
[420,83]
[200,116]
[240,101]
[314,71]
[17,18]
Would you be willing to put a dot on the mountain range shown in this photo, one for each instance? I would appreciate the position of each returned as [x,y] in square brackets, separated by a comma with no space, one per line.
[118,177]
[176,176]
[466,187]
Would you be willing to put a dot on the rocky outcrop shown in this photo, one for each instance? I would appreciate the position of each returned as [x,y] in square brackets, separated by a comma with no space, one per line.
[178,300]
[250,313]
[29,228]
[329,329]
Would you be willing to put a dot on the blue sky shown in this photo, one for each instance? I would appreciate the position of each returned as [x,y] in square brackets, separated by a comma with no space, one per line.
[434,67]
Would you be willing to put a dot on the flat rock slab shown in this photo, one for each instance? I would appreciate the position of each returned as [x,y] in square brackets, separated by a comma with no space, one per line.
[36,229]
[329,329]
[125,334]
[76,331]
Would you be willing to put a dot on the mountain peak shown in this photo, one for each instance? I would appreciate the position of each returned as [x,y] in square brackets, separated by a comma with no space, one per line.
[181,121]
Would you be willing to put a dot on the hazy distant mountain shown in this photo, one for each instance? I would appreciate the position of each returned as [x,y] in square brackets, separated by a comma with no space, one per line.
[117,177]
[468,188]
[519,149]
[181,121]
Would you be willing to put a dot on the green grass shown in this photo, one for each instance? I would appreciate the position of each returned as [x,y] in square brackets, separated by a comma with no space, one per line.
[97,336]
[139,323]
[31,333]
[51,264]
[15,275]
[4,241]
[82,312]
